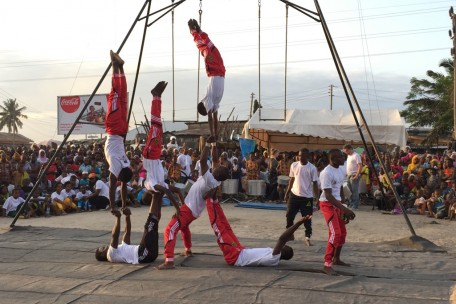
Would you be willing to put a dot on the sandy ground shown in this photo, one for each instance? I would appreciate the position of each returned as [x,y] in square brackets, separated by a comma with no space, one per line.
[50,260]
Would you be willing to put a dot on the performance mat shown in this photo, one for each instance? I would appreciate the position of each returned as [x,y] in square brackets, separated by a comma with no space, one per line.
[260,205]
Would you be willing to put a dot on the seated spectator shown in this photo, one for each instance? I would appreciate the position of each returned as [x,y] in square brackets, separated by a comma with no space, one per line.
[407,198]
[82,199]
[84,181]
[57,198]
[436,204]
[39,205]
[99,199]
[69,198]
[13,204]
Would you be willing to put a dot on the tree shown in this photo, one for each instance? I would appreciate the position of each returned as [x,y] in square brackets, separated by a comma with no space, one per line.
[430,102]
[10,115]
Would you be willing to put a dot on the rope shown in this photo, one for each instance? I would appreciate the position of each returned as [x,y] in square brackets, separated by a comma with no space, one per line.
[259,59]
[286,63]
[200,12]
[172,60]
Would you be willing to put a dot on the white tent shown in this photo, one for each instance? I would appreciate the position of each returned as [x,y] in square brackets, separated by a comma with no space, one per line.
[323,129]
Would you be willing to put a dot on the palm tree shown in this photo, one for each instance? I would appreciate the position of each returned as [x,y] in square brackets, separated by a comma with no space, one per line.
[429,102]
[10,115]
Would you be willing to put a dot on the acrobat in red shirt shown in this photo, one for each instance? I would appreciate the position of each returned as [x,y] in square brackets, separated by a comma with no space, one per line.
[116,116]
[212,57]
[153,147]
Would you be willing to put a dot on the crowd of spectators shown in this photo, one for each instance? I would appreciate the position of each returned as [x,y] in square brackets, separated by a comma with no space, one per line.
[76,181]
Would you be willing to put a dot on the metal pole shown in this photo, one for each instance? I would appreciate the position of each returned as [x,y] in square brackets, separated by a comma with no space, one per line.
[51,160]
[453,50]
[345,81]
[139,62]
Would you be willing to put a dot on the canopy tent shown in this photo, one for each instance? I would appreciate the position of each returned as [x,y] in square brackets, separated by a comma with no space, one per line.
[323,129]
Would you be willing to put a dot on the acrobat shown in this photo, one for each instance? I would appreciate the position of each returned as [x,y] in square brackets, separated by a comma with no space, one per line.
[155,179]
[117,128]
[146,251]
[215,70]
[237,255]
[194,205]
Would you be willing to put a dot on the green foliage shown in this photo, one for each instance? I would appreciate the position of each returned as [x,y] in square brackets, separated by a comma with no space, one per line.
[10,115]
[256,105]
[430,102]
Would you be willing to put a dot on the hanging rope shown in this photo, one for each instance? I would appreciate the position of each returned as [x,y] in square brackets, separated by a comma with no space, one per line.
[200,12]
[172,60]
[286,62]
[259,59]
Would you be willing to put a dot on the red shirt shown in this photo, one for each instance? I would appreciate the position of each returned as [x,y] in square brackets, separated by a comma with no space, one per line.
[212,57]
[153,147]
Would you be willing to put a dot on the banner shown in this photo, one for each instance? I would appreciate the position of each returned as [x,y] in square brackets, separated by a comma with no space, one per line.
[91,122]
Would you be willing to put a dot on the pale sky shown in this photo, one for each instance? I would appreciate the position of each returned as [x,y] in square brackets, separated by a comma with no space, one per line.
[52,48]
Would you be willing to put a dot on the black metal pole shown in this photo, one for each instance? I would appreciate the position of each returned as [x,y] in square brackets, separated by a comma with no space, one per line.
[345,81]
[138,67]
[51,160]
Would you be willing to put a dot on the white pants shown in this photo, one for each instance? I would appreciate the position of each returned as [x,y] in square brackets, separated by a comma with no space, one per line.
[155,174]
[214,93]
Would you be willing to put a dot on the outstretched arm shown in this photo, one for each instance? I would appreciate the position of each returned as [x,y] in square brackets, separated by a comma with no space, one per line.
[127,233]
[205,154]
[116,229]
[287,234]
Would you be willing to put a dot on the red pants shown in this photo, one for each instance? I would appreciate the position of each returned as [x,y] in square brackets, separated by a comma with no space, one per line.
[181,223]
[336,230]
[116,114]
[227,241]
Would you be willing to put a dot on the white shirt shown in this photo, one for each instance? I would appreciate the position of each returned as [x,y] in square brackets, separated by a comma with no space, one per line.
[171,145]
[332,178]
[68,194]
[11,203]
[194,199]
[352,163]
[115,154]
[198,166]
[117,194]
[304,176]
[104,189]
[182,160]
[257,257]
[57,195]
[124,253]
[80,195]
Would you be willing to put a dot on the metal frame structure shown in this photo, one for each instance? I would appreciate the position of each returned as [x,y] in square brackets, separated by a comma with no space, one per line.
[316,16]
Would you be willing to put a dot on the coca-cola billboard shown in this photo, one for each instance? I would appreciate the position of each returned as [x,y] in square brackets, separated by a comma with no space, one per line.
[90,122]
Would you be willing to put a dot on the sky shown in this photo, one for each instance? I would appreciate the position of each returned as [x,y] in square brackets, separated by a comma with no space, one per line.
[56,48]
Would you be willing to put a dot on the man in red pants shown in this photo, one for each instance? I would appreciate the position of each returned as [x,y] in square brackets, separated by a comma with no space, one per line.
[215,70]
[117,128]
[155,180]
[335,213]
[237,255]
[194,205]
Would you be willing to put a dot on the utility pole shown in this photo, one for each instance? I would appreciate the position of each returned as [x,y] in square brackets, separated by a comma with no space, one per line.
[331,96]
[251,104]
[453,49]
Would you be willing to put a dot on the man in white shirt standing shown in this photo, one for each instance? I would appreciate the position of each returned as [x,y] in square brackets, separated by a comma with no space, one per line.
[303,186]
[184,162]
[335,212]
[353,166]
[237,255]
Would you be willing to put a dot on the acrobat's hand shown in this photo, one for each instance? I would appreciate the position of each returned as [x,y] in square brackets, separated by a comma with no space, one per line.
[126,211]
[159,88]
[116,213]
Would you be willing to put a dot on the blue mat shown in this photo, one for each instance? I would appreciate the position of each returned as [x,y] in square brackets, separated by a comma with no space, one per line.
[260,205]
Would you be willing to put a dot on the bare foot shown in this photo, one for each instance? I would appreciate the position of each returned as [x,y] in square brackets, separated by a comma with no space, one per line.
[330,271]
[340,263]
[307,242]
[115,58]
[166,266]
[187,253]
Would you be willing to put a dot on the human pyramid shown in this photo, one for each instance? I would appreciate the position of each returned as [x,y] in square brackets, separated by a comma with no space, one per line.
[203,192]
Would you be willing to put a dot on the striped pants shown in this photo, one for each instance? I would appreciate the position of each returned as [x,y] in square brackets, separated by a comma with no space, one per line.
[336,230]
[181,223]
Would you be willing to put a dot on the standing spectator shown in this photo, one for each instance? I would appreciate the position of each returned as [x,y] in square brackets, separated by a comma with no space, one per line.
[5,169]
[172,143]
[273,174]
[253,168]
[302,191]
[354,166]
[184,160]
[174,170]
